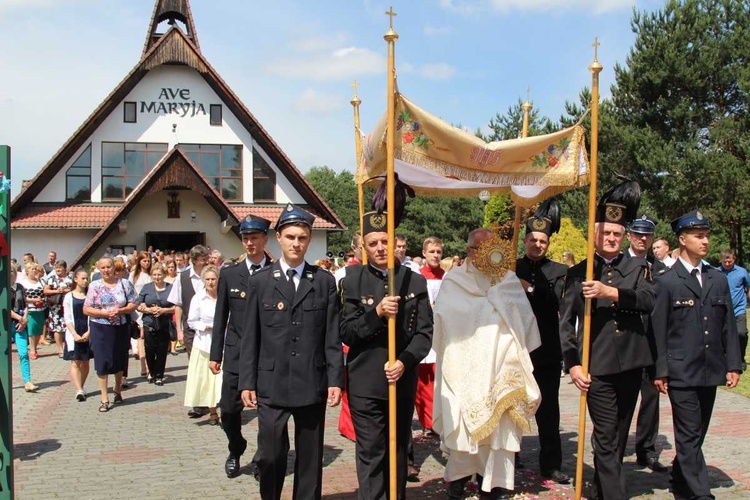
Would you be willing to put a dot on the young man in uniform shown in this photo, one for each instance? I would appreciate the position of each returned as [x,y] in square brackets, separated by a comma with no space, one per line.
[227,333]
[291,363]
[697,349]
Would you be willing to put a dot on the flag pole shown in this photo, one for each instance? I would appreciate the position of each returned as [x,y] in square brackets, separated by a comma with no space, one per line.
[595,67]
[391,37]
[527,106]
[355,102]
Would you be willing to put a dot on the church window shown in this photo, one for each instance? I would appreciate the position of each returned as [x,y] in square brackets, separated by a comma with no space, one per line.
[220,164]
[129,111]
[215,114]
[78,178]
[264,179]
[125,164]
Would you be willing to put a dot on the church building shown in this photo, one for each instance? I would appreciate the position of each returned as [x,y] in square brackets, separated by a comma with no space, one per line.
[170,159]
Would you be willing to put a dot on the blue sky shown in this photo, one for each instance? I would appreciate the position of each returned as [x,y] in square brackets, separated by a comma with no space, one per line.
[292,62]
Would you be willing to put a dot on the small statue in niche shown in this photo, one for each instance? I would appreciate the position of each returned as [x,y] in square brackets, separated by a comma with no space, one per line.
[173,207]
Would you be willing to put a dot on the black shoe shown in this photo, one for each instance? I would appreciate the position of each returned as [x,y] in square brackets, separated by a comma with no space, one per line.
[497,494]
[254,470]
[652,463]
[557,476]
[456,488]
[194,413]
[519,462]
[232,466]
[159,381]
[412,473]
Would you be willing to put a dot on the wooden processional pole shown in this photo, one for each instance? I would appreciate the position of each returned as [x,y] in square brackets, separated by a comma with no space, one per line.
[595,67]
[391,37]
[356,101]
[524,133]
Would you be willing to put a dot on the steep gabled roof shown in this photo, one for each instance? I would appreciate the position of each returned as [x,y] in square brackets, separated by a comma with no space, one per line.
[170,10]
[174,47]
[174,171]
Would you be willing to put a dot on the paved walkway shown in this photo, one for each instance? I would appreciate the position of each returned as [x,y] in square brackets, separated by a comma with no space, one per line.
[148,448]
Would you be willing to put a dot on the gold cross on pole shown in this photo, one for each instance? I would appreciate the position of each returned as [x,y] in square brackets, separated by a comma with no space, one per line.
[355,86]
[391,14]
[596,48]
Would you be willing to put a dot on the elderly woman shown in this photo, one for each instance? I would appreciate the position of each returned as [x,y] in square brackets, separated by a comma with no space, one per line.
[203,388]
[55,288]
[108,302]
[36,306]
[156,311]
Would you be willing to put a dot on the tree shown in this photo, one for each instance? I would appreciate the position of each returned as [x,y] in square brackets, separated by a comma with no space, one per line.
[569,238]
[340,192]
[681,101]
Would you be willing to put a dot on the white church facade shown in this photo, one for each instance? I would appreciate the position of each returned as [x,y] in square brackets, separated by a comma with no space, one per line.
[170,159]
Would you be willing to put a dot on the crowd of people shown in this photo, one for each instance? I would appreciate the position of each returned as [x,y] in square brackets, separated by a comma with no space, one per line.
[480,344]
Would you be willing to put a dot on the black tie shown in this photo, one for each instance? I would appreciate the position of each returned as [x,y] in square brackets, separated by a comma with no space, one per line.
[254,267]
[290,274]
[694,274]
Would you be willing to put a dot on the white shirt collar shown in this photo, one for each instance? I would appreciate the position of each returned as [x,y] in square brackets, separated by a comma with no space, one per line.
[249,262]
[285,266]
[690,267]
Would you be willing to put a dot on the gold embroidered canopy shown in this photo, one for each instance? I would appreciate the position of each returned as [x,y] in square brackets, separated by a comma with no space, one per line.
[438,159]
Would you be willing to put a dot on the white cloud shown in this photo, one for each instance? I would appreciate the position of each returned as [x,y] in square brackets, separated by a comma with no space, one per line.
[598,6]
[317,43]
[343,63]
[430,30]
[437,71]
[313,101]
[474,7]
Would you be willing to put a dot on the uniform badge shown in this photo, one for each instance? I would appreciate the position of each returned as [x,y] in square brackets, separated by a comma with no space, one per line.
[309,275]
[289,207]
[691,302]
[280,306]
[614,213]
[277,274]
[699,215]
[370,301]
[243,294]
[538,224]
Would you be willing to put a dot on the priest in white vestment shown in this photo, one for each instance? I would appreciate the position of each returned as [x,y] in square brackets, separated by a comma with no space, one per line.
[485,392]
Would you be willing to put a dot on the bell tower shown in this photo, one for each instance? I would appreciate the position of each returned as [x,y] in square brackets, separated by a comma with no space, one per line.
[170,14]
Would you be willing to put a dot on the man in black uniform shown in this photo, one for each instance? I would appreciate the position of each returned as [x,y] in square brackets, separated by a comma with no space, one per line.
[364,328]
[291,362]
[227,333]
[620,346]
[697,349]
[640,237]
[543,281]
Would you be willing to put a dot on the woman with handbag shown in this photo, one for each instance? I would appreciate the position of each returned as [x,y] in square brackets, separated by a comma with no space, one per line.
[109,302]
[18,322]
[36,306]
[156,310]
[57,285]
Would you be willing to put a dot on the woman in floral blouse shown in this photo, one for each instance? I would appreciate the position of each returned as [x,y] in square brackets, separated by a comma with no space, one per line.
[57,285]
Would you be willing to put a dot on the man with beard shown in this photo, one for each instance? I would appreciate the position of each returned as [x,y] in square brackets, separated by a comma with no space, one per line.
[543,280]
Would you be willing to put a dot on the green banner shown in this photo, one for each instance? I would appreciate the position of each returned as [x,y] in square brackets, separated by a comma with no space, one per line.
[6,375]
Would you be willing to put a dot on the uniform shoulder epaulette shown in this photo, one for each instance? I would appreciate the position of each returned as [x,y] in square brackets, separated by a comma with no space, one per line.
[231,263]
[262,270]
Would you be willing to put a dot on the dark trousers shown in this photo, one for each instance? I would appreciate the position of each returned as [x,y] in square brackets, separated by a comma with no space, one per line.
[188,334]
[231,415]
[370,417]
[156,344]
[647,425]
[742,331]
[691,414]
[548,417]
[273,447]
[611,403]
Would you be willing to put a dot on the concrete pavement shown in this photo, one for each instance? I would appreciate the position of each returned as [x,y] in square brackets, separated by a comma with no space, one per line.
[148,448]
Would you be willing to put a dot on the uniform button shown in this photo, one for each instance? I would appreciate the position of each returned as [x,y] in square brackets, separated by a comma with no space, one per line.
[295,323]
[294,339]
[706,332]
[294,353]
[617,331]
[705,318]
[609,274]
[706,346]
[609,282]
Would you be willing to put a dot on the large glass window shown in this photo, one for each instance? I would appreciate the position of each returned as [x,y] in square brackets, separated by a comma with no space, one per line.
[78,178]
[125,164]
[220,164]
[264,179]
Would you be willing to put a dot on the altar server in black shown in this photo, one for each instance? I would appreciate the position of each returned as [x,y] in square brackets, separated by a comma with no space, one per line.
[621,292]
[543,281]
[364,328]
[291,363]
[697,349]
[227,333]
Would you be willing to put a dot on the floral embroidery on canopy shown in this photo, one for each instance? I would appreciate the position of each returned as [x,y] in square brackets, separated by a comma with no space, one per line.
[550,158]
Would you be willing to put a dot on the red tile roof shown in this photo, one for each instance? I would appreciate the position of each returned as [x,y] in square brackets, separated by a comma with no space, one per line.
[272,213]
[61,216]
